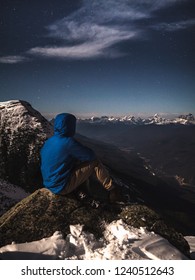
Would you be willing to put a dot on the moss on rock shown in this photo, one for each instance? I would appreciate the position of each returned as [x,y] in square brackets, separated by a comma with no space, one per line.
[42,213]
[143,216]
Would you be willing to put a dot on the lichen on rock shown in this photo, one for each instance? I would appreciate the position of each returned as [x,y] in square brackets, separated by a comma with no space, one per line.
[42,213]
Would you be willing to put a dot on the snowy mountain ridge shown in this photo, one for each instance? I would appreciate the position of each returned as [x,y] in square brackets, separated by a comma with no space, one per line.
[23,131]
[132,120]
[17,114]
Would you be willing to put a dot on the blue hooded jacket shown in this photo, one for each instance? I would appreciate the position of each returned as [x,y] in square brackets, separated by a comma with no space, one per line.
[61,153]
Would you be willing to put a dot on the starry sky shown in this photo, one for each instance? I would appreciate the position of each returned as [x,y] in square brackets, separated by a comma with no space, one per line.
[97,57]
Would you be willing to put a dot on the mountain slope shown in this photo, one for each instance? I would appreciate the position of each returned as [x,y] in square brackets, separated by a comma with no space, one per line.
[23,131]
[168,149]
[18,113]
[176,204]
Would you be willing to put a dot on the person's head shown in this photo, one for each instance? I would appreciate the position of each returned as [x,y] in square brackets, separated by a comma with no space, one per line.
[65,124]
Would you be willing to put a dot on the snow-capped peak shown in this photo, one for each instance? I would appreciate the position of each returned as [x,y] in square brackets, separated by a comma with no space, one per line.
[132,120]
[188,117]
[23,131]
[16,114]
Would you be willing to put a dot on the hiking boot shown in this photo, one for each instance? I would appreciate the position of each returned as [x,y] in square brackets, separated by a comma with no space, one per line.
[94,203]
[81,195]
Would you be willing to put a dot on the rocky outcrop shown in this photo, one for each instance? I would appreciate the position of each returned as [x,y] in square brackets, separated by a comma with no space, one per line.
[23,131]
[42,213]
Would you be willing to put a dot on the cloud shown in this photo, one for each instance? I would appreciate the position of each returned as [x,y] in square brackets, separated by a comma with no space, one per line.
[175,26]
[93,30]
[97,28]
[13,59]
[100,39]
[153,5]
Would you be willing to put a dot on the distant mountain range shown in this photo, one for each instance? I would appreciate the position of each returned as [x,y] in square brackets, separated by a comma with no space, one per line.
[131,120]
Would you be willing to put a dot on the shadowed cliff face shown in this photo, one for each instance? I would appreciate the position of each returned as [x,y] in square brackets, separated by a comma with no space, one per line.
[42,213]
[23,131]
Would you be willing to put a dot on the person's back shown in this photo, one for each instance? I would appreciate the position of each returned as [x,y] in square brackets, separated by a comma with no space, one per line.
[61,153]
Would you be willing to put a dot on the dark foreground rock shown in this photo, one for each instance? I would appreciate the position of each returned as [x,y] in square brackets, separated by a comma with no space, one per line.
[42,213]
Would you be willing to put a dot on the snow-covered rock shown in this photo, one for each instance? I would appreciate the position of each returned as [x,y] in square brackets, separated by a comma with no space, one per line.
[17,114]
[46,248]
[191,242]
[119,242]
[185,119]
[23,131]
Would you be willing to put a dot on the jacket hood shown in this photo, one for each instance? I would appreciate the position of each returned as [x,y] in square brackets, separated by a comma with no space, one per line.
[65,125]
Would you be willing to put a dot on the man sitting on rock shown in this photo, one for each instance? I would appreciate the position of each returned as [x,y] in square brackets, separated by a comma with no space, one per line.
[66,163]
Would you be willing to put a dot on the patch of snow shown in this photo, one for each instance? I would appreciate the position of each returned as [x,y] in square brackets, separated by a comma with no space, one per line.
[9,102]
[191,242]
[10,195]
[119,242]
[46,248]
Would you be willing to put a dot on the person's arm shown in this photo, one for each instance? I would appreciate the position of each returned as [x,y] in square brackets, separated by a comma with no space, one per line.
[82,153]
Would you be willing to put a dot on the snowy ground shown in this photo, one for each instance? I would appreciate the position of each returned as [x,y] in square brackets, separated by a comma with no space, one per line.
[119,242]
[10,195]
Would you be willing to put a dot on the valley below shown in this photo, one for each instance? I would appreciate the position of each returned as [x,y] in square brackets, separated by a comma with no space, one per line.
[159,161]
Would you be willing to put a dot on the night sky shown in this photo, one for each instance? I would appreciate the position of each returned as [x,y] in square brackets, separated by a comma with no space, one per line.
[99,57]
